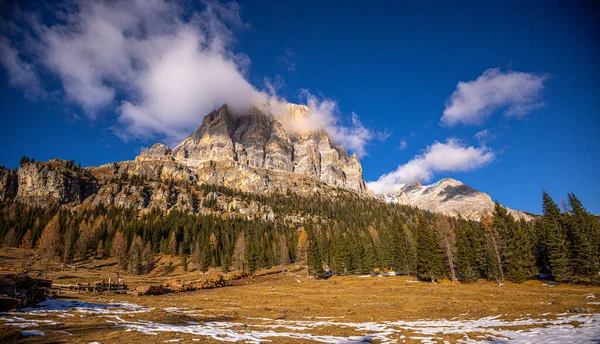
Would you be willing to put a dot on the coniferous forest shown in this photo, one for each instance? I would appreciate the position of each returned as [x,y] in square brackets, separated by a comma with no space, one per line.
[347,234]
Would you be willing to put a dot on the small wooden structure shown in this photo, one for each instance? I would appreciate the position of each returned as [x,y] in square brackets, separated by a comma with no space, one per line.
[97,287]
[20,290]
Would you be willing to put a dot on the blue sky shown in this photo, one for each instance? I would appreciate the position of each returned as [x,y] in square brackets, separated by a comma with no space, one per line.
[395,67]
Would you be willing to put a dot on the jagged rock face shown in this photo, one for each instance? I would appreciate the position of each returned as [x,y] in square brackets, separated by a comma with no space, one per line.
[251,153]
[235,151]
[157,152]
[450,197]
[53,182]
[8,183]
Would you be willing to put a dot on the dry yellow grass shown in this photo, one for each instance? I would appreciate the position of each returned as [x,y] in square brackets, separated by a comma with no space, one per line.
[292,296]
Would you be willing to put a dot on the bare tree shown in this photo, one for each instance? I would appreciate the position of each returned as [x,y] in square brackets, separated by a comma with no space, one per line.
[119,250]
[239,252]
[283,252]
[49,243]
[303,248]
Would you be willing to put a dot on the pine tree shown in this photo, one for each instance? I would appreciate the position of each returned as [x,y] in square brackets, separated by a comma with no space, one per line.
[184,261]
[10,239]
[429,259]
[27,241]
[200,256]
[314,263]
[555,240]
[147,258]
[585,237]
[517,251]
[68,243]
[466,253]
[252,255]
[135,256]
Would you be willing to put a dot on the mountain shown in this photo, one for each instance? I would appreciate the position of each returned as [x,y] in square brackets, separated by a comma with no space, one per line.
[252,153]
[450,197]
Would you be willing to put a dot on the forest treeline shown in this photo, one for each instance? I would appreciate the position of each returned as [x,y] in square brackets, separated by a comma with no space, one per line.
[347,234]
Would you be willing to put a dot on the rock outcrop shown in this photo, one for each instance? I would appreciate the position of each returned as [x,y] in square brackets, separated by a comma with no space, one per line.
[252,153]
[450,197]
[54,182]
[8,183]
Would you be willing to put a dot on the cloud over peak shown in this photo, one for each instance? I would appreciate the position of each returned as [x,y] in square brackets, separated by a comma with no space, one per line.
[452,156]
[474,100]
[160,65]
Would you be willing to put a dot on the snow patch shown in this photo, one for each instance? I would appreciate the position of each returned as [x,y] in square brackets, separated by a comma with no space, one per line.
[32,333]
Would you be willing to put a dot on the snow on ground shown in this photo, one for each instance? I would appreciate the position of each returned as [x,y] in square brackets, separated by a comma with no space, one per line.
[32,333]
[557,328]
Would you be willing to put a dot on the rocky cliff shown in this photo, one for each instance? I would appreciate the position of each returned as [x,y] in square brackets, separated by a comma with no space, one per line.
[254,153]
[250,152]
[450,197]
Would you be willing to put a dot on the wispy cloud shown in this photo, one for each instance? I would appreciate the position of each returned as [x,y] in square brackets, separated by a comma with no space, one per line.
[473,101]
[287,59]
[403,144]
[452,156]
[21,74]
[159,65]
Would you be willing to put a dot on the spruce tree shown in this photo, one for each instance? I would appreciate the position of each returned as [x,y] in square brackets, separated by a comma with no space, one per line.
[517,250]
[585,236]
[314,261]
[429,259]
[467,260]
[555,240]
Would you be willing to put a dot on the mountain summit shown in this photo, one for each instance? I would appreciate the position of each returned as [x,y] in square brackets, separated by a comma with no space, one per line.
[250,152]
[254,153]
[450,197]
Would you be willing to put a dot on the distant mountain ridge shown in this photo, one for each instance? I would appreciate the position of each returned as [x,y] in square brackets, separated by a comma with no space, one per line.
[450,197]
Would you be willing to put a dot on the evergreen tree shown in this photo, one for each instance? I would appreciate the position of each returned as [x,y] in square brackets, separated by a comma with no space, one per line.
[447,244]
[429,259]
[314,262]
[184,261]
[555,240]
[27,241]
[147,258]
[466,253]
[135,254]
[585,238]
[494,247]
[517,251]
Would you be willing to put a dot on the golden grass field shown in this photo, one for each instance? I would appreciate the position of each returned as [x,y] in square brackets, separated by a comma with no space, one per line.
[291,296]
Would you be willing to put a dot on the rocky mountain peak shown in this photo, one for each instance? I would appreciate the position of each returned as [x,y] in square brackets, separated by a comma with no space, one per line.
[450,197]
[255,146]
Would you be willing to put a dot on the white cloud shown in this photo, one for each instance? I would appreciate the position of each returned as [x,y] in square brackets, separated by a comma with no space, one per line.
[474,100]
[20,73]
[323,114]
[287,59]
[161,66]
[403,144]
[451,156]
